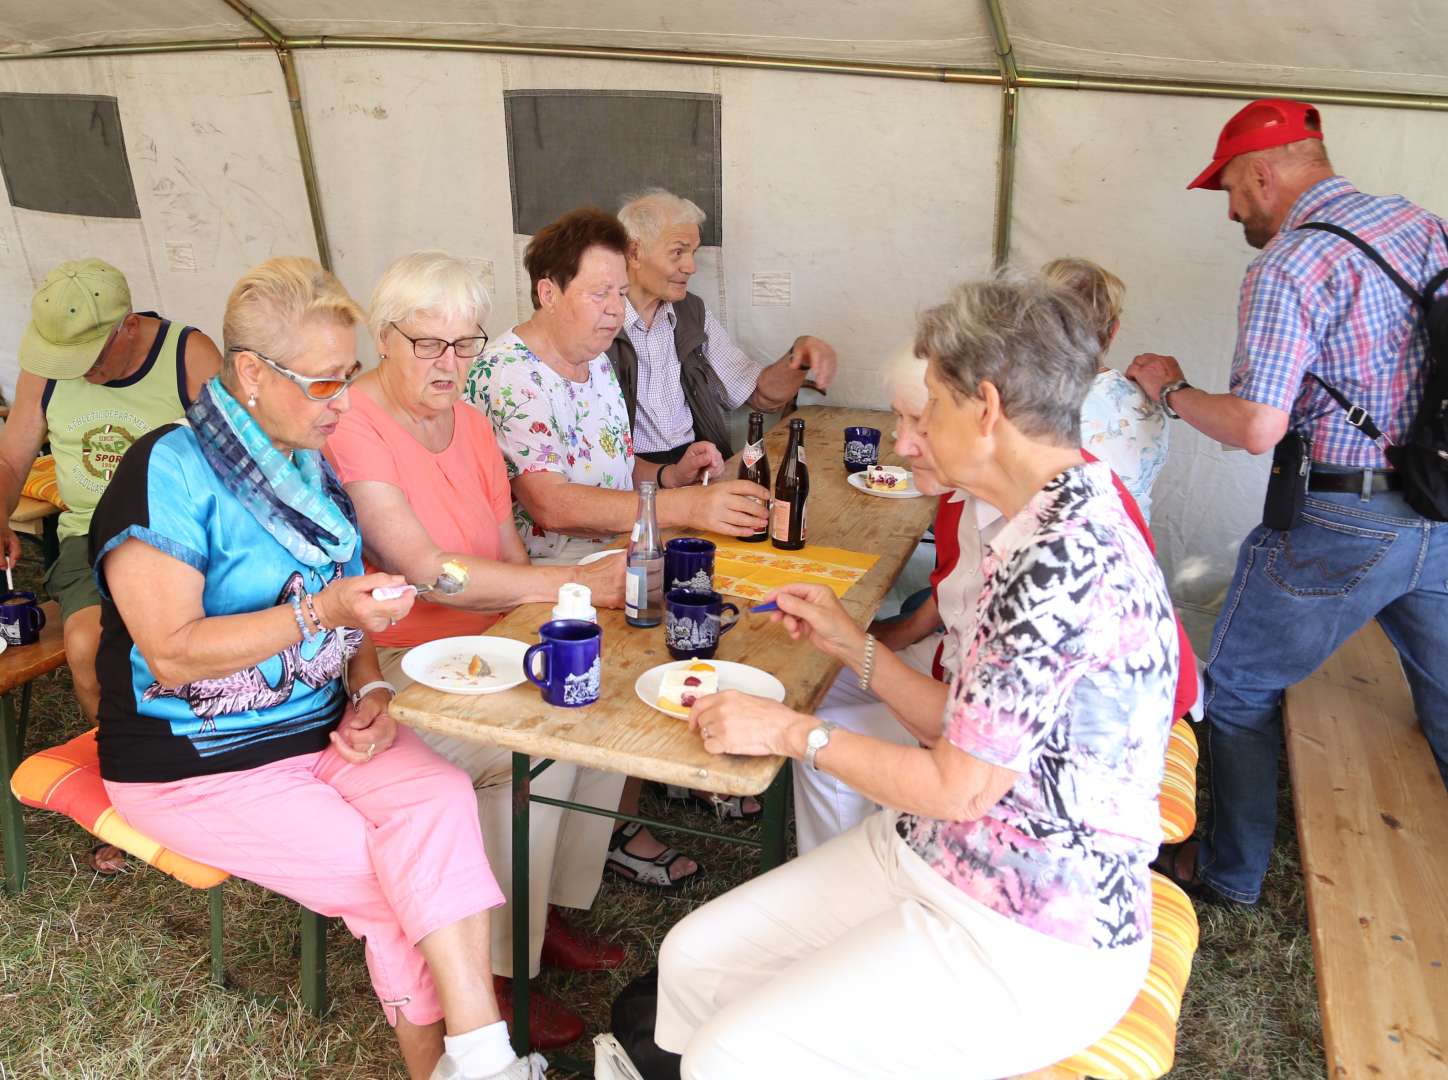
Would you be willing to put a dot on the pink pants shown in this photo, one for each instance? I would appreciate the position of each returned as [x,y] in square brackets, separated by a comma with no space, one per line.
[392,846]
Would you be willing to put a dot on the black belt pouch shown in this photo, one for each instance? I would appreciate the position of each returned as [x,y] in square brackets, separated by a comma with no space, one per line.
[1287,485]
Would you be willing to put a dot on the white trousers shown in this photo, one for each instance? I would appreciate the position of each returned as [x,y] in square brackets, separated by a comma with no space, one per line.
[824,805]
[859,960]
[566,849]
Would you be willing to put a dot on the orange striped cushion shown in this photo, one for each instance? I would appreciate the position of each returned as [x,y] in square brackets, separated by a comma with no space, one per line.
[41,483]
[1142,1046]
[1179,785]
[67,779]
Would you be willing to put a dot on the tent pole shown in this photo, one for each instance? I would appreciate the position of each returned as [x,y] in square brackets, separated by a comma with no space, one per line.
[1010,115]
[304,153]
[299,124]
[1041,79]
[1315,94]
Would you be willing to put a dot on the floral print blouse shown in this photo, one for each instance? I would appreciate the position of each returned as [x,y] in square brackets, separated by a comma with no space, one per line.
[547,423]
[1067,679]
[1128,431]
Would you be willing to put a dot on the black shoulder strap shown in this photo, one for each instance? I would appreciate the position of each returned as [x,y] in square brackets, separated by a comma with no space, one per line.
[1373,254]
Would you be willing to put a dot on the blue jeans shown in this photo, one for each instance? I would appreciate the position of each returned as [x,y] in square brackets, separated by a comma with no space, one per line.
[1297,596]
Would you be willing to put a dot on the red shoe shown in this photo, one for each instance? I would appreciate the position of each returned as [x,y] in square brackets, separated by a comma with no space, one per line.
[551,1024]
[575,950]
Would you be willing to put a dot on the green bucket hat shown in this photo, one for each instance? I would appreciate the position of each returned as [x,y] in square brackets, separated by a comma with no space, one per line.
[71,317]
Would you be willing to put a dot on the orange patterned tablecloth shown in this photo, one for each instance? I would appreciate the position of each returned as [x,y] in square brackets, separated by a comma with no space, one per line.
[753,571]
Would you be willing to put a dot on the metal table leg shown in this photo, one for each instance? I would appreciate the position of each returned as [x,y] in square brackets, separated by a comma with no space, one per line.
[521,958]
[771,852]
[12,824]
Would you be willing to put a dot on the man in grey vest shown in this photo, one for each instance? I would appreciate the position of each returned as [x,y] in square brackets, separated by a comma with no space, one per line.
[681,373]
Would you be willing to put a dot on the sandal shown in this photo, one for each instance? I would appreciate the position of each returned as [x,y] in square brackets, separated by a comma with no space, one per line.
[105,865]
[651,872]
[1167,864]
[725,807]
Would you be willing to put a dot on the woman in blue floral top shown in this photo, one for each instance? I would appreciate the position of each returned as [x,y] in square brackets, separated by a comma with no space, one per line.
[1119,423]
[560,416]
[1009,873]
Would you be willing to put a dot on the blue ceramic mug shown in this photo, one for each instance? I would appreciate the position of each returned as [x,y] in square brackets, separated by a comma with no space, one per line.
[572,665]
[689,564]
[862,448]
[694,623]
[21,619]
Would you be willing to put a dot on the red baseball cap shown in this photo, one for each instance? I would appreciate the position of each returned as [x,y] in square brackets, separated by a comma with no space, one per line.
[1263,124]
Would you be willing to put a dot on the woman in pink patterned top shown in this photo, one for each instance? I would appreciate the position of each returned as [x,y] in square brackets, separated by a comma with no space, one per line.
[1010,879]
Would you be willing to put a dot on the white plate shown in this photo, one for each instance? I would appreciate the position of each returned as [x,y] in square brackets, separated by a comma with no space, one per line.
[857,481]
[4,644]
[732,676]
[443,664]
[605,553]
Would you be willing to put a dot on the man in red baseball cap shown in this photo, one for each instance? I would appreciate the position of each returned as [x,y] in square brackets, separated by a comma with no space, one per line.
[1342,545]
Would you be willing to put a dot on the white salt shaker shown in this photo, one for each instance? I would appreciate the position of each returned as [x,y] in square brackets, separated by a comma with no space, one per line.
[575,602]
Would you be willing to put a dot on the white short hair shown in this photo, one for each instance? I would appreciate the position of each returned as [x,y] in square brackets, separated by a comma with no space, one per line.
[431,281]
[647,214]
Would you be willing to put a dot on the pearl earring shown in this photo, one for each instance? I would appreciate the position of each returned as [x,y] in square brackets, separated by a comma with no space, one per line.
[382,356]
[251,401]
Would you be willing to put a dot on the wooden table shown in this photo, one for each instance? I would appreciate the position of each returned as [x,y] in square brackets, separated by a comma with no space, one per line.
[1372,817]
[622,734]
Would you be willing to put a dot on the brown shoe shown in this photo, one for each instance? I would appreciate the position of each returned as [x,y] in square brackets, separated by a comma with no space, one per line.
[551,1024]
[572,949]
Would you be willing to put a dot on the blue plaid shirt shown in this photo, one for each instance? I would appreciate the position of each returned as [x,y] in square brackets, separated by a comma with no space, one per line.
[1312,302]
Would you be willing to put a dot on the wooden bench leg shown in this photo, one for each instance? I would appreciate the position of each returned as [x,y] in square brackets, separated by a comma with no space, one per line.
[218,936]
[314,962]
[11,822]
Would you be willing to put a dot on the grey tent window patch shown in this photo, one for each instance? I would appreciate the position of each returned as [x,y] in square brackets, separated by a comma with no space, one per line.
[65,154]
[572,148]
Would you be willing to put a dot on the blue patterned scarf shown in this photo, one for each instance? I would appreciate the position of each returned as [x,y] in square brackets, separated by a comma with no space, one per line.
[298,500]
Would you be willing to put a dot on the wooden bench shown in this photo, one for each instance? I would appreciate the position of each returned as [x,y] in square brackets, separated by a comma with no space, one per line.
[20,665]
[1372,823]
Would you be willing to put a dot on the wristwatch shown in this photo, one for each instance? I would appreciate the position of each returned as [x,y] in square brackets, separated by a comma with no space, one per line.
[1167,391]
[376,684]
[816,741]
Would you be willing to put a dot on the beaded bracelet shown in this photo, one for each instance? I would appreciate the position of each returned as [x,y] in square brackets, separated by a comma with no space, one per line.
[868,668]
[297,614]
[312,613]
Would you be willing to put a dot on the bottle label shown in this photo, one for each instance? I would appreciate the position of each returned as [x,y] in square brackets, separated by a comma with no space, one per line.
[799,456]
[780,522]
[751,454]
[636,590]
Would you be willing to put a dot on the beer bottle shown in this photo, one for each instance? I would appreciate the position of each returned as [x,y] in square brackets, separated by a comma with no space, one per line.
[788,526]
[644,586]
[754,465]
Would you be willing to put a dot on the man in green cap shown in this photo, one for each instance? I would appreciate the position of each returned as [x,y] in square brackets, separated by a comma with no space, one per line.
[95,377]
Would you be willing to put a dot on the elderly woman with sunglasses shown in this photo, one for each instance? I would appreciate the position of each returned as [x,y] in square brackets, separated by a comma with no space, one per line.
[424,470]
[235,620]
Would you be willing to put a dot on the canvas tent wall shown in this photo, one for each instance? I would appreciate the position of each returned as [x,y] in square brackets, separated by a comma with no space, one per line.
[867,156]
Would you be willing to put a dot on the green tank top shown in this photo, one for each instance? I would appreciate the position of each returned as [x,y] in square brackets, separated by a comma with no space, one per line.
[92,425]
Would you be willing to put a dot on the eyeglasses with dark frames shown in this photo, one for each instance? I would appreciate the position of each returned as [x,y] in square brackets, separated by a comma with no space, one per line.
[430,348]
[317,389]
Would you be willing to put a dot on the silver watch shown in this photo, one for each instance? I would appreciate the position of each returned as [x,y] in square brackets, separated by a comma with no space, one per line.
[1167,391]
[816,741]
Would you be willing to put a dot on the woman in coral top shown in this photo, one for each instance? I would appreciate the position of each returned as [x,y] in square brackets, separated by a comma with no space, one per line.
[430,486]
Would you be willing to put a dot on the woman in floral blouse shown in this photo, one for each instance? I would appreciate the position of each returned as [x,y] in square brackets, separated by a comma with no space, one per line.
[560,416]
[1119,423]
[1010,879]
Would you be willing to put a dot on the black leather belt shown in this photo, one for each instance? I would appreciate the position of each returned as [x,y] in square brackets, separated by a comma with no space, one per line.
[1352,482]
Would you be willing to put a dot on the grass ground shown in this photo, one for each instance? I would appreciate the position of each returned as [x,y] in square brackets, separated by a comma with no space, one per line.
[109,978]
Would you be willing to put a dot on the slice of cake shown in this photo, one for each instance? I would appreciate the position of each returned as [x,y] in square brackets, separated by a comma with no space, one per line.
[887,478]
[685,684]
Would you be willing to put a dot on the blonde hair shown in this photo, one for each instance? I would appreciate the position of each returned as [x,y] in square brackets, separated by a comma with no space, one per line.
[275,297]
[1097,288]
[430,281]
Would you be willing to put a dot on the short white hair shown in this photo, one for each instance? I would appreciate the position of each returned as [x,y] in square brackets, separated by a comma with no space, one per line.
[647,214]
[430,281]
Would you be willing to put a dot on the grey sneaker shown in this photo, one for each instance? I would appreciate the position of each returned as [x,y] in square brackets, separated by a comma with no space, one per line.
[533,1067]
